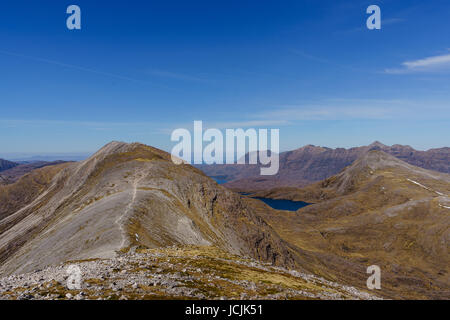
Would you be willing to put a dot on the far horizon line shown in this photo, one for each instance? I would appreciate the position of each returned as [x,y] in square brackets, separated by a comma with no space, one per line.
[81,155]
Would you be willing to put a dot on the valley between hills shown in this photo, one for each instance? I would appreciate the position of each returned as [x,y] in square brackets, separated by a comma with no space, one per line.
[141,227]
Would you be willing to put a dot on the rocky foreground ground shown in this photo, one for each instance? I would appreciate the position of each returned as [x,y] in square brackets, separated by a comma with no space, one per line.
[173,273]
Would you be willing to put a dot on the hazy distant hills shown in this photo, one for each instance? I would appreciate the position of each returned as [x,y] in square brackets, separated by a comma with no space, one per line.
[379,210]
[47,157]
[5,165]
[310,163]
[12,174]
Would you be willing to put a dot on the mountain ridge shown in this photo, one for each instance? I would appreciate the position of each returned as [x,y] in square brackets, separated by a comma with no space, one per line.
[130,198]
[5,165]
[380,211]
[138,197]
[11,175]
[309,164]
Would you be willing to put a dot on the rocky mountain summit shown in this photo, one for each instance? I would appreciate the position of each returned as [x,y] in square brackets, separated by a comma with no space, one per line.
[126,195]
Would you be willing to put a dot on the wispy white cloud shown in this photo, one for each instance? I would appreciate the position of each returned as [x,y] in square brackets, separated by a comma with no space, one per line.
[329,113]
[248,124]
[93,124]
[278,116]
[336,109]
[387,22]
[112,126]
[78,68]
[355,109]
[326,61]
[429,64]
[175,75]
[222,125]
[326,110]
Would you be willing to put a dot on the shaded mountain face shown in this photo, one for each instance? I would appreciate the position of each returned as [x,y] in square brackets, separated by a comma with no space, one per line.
[378,211]
[13,174]
[5,165]
[309,164]
[125,196]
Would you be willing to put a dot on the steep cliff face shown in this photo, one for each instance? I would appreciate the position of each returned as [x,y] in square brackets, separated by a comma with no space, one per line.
[127,195]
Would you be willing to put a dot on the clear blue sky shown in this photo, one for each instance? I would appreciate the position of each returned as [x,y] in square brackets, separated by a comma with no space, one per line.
[139,69]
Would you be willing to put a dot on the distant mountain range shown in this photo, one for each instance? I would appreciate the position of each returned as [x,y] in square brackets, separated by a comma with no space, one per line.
[130,211]
[378,211]
[21,158]
[309,164]
[11,171]
[12,174]
[5,165]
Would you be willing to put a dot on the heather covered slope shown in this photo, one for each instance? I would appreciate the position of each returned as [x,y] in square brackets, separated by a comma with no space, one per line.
[127,195]
[18,195]
[310,164]
[380,210]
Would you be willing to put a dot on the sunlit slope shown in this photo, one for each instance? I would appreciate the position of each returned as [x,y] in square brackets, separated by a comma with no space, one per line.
[187,272]
[380,210]
[129,195]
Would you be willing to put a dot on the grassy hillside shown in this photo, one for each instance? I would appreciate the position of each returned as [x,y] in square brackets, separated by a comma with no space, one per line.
[380,211]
